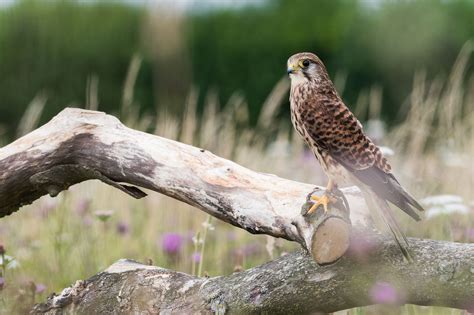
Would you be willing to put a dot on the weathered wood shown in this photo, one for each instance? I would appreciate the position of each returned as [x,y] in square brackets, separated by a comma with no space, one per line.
[331,230]
[442,274]
[79,145]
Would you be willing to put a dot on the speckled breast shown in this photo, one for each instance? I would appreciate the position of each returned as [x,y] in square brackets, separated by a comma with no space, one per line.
[333,170]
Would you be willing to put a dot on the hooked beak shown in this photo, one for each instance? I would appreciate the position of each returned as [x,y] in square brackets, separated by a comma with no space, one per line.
[292,68]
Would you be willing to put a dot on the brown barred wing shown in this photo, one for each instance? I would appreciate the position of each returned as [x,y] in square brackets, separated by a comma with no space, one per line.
[339,133]
[334,129]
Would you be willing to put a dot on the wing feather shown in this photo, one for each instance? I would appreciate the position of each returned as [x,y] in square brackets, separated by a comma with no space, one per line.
[340,135]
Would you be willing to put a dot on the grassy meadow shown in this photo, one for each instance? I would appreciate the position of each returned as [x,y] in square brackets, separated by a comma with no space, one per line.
[56,241]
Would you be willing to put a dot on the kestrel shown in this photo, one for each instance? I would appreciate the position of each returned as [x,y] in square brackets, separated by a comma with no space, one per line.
[337,140]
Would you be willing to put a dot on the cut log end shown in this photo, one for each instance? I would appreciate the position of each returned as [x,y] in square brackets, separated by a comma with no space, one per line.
[330,240]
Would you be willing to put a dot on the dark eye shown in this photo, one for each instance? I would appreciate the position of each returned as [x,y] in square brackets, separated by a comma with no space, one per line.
[306,63]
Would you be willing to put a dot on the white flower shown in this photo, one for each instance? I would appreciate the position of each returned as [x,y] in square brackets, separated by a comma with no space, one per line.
[444,204]
[197,240]
[208,226]
[446,209]
[441,200]
[10,262]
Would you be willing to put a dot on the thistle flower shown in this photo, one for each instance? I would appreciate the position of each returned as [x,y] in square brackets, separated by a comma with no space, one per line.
[123,228]
[196,257]
[82,205]
[40,288]
[171,243]
[384,293]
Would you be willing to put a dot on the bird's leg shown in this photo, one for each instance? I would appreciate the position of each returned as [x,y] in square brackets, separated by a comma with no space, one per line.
[324,200]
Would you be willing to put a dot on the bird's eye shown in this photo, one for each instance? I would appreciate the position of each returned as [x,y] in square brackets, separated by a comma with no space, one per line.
[306,63]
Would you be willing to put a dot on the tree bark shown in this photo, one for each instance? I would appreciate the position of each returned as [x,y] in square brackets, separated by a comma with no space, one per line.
[79,145]
[442,274]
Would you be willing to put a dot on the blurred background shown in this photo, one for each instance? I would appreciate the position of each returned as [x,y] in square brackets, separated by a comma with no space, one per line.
[57,51]
[193,69]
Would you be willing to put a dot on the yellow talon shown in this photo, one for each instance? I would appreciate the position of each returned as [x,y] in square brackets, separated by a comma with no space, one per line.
[324,200]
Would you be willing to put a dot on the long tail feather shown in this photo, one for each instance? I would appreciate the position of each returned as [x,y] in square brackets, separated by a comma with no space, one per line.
[382,208]
[392,224]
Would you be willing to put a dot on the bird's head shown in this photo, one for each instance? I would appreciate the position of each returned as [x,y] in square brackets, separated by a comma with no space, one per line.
[305,67]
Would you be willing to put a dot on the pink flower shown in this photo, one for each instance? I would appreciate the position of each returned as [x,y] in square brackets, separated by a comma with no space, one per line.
[123,228]
[384,293]
[82,205]
[40,288]
[171,243]
[196,257]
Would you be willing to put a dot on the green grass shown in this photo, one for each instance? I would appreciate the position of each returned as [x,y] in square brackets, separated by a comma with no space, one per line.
[58,241]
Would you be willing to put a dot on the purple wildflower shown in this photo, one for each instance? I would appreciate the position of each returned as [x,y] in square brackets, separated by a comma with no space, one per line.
[196,257]
[384,293]
[40,288]
[171,243]
[123,228]
[81,206]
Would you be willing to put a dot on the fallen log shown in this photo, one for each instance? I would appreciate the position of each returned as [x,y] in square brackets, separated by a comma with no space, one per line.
[79,145]
[442,274]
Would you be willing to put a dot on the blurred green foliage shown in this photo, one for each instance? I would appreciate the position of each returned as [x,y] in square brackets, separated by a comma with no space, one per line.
[373,42]
[53,47]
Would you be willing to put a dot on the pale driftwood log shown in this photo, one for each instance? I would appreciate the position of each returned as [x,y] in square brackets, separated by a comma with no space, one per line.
[79,145]
[442,274]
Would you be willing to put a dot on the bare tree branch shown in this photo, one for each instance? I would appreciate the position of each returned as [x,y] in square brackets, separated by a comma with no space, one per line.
[442,274]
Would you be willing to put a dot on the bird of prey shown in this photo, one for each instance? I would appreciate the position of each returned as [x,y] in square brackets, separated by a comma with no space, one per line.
[337,140]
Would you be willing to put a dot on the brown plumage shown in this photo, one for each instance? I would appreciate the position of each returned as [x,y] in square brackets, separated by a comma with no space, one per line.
[336,137]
